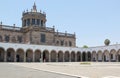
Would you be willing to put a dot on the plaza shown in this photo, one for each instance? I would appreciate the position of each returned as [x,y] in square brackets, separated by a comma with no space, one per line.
[62,70]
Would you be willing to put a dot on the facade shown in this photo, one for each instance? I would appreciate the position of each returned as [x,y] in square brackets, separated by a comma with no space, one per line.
[34,42]
[34,31]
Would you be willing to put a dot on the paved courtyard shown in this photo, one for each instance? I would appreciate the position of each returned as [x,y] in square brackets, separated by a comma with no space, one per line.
[13,71]
[60,70]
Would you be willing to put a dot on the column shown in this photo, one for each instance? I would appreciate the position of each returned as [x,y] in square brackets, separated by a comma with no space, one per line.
[69,57]
[75,57]
[49,57]
[56,57]
[81,57]
[5,56]
[41,57]
[15,57]
[33,57]
[24,56]
[63,58]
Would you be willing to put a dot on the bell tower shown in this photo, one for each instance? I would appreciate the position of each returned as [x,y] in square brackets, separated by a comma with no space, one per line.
[33,18]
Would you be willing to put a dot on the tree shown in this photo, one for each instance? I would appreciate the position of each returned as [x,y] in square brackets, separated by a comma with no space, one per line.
[85,46]
[107,42]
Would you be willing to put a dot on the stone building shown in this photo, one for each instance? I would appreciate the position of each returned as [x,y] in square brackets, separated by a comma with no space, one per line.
[34,31]
[34,42]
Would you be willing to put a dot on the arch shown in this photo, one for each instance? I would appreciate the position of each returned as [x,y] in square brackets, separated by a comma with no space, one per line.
[45,56]
[94,56]
[113,55]
[72,56]
[20,55]
[29,55]
[99,56]
[53,56]
[106,56]
[10,55]
[60,56]
[66,56]
[2,53]
[118,55]
[84,56]
[38,56]
[78,56]
[89,56]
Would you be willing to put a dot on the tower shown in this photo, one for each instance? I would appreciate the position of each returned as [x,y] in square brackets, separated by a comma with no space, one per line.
[33,18]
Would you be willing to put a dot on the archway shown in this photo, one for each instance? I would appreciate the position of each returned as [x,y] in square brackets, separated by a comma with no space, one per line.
[66,56]
[38,56]
[45,56]
[20,55]
[88,56]
[78,56]
[84,56]
[113,55]
[29,55]
[60,56]
[53,56]
[99,56]
[2,53]
[10,55]
[106,56]
[72,56]
[118,56]
[94,56]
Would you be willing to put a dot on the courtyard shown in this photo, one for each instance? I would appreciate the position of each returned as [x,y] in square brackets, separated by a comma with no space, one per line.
[61,70]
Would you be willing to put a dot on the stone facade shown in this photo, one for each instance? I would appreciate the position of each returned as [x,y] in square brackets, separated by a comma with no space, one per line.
[34,31]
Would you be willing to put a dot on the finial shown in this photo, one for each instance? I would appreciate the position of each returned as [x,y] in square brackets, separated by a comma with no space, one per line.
[34,8]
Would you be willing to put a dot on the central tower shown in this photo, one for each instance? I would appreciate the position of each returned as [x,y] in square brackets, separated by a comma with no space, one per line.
[33,18]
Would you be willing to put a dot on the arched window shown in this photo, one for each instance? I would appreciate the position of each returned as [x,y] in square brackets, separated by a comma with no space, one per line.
[0,38]
[7,38]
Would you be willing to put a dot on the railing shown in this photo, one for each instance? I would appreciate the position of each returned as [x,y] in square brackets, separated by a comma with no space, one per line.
[64,34]
[25,13]
[10,27]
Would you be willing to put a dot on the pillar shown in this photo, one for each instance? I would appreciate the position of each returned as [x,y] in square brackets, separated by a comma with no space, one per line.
[5,56]
[69,57]
[15,57]
[33,60]
[49,57]
[41,57]
[24,56]
[75,57]
[56,57]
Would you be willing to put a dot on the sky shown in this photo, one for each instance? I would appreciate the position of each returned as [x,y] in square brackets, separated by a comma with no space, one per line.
[93,21]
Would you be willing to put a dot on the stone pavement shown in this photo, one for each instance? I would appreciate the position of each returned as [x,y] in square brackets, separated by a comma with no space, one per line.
[13,71]
[92,70]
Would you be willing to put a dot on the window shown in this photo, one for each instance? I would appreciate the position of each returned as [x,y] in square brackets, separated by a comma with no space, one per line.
[41,22]
[57,42]
[43,38]
[0,38]
[62,43]
[19,38]
[38,21]
[70,43]
[33,21]
[28,22]
[24,22]
[7,38]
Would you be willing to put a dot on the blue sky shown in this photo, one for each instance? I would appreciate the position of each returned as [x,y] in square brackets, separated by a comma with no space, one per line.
[93,21]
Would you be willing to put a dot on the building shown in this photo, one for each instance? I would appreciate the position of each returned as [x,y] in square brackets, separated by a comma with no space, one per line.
[34,31]
[34,42]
